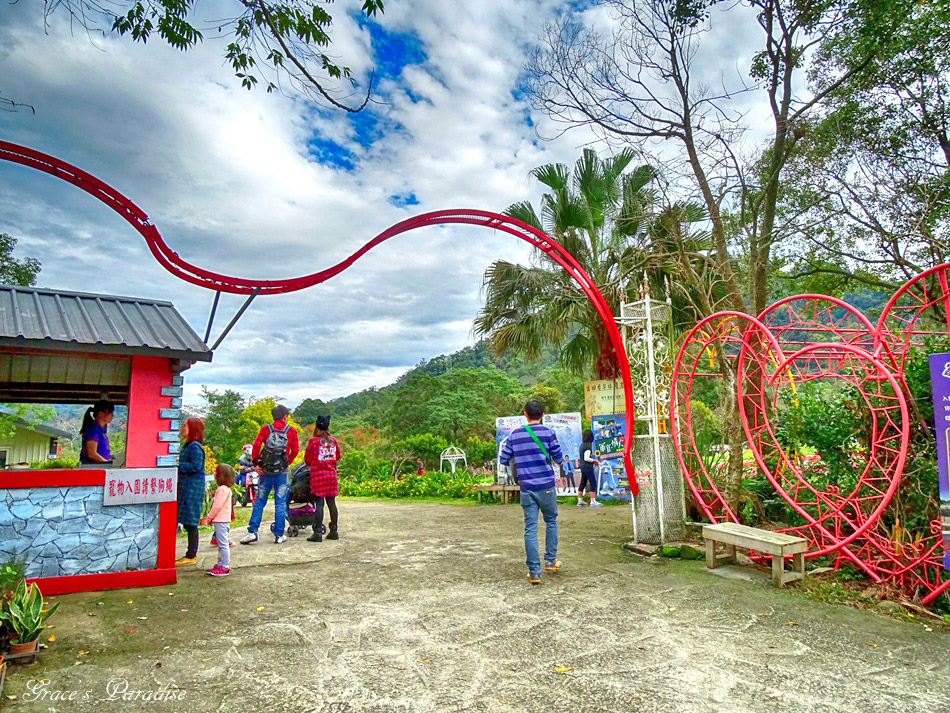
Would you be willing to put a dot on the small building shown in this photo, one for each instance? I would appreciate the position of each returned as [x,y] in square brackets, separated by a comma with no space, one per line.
[96,528]
[30,444]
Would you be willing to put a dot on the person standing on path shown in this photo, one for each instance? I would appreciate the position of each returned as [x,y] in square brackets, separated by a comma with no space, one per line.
[322,455]
[588,477]
[191,484]
[274,450]
[219,516]
[534,450]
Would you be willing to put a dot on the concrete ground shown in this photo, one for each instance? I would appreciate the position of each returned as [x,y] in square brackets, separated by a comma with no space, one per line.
[425,607]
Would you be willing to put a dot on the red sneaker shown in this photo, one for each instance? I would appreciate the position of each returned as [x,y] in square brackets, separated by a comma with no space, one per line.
[218,571]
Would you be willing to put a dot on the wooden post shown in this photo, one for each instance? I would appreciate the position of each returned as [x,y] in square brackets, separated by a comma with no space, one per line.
[778,570]
[798,563]
[711,553]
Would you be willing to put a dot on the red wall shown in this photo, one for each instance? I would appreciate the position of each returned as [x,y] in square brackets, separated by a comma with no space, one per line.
[149,375]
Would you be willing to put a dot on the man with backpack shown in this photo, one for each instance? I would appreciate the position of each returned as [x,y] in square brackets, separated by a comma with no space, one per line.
[534,450]
[274,450]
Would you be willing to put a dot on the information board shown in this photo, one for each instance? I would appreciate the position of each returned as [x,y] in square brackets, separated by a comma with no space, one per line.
[940,389]
[609,431]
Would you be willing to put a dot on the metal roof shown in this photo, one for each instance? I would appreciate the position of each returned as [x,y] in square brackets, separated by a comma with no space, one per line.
[77,321]
[45,429]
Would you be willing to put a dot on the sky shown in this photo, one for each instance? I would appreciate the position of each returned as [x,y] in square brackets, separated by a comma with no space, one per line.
[270,185]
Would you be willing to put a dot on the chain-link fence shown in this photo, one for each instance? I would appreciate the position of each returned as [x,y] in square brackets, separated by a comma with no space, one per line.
[658,509]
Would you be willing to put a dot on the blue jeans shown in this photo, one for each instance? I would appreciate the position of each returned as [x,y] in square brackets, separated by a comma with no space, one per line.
[546,502]
[277,483]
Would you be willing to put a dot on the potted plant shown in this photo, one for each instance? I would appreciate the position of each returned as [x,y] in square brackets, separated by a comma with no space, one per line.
[11,573]
[25,615]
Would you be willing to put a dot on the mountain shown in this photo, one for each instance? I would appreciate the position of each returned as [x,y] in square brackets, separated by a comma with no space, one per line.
[365,405]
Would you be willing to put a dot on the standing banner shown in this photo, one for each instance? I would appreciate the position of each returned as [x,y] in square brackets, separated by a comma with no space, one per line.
[609,431]
[604,396]
[567,429]
[940,389]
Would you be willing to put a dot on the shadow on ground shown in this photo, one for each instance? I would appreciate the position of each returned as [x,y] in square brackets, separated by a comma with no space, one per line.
[425,607]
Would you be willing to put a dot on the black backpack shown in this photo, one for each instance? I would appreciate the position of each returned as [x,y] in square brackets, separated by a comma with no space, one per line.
[273,458]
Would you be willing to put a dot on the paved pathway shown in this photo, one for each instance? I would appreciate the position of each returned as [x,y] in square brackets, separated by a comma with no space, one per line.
[426,608]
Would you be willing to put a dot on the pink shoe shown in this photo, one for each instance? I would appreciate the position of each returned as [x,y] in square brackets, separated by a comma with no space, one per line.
[219,571]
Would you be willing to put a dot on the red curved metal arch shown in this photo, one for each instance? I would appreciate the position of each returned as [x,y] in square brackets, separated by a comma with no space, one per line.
[721,330]
[184,270]
[826,338]
[835,521]
[813,314]
[919,295]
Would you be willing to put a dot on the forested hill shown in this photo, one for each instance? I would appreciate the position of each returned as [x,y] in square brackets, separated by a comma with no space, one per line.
[481,356]
[365,405]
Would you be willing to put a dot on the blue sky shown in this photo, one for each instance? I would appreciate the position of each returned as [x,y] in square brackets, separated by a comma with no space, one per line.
[270,185]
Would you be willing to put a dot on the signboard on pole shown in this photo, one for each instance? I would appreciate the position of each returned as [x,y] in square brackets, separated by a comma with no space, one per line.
[567,429]
[940,389]
[603,397]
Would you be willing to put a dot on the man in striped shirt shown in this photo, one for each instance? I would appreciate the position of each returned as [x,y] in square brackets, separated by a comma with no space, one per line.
[535,450]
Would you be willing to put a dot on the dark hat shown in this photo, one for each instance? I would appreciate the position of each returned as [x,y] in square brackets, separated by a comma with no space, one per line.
[323,423]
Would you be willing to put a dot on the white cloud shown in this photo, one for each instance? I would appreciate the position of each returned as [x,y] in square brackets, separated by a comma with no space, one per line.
[228,178]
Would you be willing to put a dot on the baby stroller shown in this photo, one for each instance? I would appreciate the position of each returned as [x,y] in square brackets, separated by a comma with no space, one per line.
[300,517]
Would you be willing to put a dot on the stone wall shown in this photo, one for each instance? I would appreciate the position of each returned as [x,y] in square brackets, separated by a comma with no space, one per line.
[66,530]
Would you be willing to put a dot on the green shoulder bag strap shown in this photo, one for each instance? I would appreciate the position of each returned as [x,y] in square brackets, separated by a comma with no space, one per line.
[540,445]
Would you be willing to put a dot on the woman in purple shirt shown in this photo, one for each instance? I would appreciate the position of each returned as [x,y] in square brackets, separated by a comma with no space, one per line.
[94,434]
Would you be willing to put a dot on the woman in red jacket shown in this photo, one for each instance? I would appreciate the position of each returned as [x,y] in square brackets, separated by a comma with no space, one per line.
[322,454]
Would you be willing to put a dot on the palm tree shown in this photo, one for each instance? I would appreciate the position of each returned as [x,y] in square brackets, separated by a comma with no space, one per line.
[599,214]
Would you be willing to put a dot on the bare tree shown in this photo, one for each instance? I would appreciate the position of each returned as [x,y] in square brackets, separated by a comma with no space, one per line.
[641,84]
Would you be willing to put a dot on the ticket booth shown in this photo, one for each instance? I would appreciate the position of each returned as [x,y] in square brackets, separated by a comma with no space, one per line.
[96,528]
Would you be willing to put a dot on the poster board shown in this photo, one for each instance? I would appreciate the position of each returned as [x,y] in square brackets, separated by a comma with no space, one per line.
[603,397]
[609,431]
[940,389]
[567,429]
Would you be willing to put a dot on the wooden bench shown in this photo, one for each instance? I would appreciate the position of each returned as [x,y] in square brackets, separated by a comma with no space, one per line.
[773,543]
[505,491]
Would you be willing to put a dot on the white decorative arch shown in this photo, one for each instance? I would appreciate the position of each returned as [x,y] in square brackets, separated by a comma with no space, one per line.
[452,454]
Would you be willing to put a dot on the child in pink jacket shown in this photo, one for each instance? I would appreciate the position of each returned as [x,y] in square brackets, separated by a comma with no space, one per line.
[220,516]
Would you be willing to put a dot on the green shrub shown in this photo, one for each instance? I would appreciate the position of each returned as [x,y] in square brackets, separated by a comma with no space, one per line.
[11,572]
[478,452]
[352,463]
[434,484]
[423,445]
[54,464]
